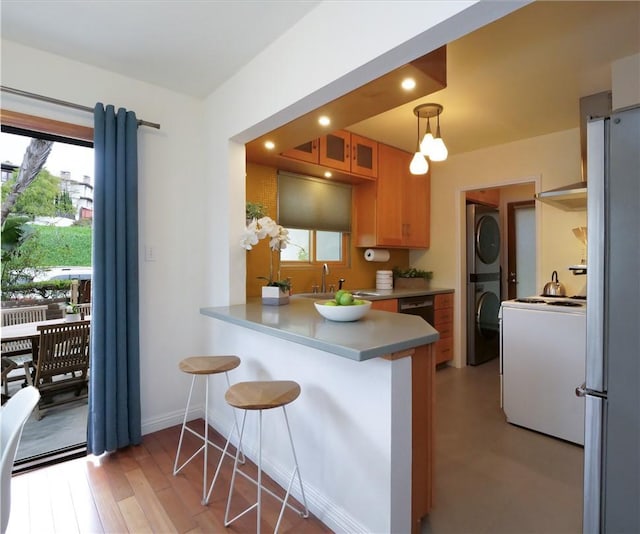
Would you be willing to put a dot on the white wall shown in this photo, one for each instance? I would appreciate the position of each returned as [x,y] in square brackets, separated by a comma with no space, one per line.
[551,161]
[625,82]
[171,218]
[348,425]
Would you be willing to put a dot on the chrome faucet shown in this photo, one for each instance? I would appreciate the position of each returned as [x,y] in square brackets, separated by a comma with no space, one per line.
[325,272]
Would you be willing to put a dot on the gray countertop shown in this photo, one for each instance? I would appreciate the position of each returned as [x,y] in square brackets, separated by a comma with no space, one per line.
[385,294]
[376,334]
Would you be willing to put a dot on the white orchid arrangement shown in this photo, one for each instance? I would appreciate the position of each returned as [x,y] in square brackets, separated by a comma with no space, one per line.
[258,229]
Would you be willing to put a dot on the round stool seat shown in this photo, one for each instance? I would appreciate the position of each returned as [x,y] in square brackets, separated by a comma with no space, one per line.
[262,395]
[208,365]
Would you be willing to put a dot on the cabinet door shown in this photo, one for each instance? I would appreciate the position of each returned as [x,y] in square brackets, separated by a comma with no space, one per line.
[364,156]
[335,150]
[389,197]
[305,152]
[416,207]
[390,305]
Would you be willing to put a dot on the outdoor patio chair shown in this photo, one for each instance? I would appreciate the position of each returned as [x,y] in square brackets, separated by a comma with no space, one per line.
[13,416]
[85,309]
[62,364]
[20,352]
[28,314]
[8,365]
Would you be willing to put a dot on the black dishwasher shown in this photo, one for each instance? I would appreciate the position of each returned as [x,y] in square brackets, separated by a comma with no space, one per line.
[421,306]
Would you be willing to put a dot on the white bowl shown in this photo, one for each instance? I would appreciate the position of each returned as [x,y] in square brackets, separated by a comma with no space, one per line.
[343,313]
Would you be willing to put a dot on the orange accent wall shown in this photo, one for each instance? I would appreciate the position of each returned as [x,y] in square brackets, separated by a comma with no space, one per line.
[261,186]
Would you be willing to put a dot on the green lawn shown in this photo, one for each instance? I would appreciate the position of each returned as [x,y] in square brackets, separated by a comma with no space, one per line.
[69,245]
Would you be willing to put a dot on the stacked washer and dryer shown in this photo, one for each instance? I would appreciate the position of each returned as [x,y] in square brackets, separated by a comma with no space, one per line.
[483,284]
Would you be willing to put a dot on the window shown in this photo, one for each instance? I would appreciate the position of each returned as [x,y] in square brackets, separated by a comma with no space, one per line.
[317,214]
[316,246]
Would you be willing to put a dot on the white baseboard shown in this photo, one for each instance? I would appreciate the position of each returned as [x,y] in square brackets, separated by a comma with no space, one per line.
[330,513]
[171,419]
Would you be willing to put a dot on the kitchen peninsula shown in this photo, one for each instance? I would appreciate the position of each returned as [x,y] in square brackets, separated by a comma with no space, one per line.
[363,423]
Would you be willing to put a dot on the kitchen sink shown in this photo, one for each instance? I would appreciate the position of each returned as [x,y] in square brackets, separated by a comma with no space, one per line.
[365,294]
[321,296]
[318,296]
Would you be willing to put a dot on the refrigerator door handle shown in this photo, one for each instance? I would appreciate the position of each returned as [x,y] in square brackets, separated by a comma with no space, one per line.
[597,134]
[583,391]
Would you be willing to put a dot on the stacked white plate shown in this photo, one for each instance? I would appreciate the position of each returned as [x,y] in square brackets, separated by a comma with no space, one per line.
[384,279]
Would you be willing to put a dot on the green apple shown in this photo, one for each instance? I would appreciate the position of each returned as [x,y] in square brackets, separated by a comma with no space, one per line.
[346,299]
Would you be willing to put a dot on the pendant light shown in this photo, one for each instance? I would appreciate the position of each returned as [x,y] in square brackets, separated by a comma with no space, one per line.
[419,163]
[427,140]
[431,147]
[439,150]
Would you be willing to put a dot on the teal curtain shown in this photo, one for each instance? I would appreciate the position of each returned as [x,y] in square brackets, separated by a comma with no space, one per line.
[114,383]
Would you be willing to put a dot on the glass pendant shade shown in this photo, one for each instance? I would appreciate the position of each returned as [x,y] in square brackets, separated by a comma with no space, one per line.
[426,146]
[439,151]
[418,164]
[427,141]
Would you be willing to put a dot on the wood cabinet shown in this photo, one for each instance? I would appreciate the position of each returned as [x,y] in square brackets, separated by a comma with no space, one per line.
[349,152]
[422,429]
[395,210]
[344,152]
[443,323]
[390,305]
[308,152]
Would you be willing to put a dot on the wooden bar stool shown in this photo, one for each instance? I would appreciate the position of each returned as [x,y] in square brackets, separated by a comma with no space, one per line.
[204,366]
[263,396]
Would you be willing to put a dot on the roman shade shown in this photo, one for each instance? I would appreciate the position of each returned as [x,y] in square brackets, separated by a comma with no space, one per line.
[313,204]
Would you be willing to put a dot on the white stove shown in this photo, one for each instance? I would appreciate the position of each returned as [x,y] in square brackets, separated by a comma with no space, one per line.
[542,358]
[574,304]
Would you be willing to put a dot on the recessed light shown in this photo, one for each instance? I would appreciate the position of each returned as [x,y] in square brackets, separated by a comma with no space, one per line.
[327,174]
[408,84]
[324,121]
[269,145]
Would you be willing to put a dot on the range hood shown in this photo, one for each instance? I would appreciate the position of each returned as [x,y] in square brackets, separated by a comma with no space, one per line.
[573,197]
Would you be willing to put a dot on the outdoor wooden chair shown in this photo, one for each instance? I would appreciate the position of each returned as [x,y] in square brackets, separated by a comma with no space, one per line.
[28,314]
[85,309]
[20,352]
[8,365]
[62,364]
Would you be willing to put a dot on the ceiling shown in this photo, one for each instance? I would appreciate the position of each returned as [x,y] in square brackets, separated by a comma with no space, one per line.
[189,46]
[519,77]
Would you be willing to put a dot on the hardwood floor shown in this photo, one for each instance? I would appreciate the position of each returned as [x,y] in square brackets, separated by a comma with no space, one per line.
[134,490]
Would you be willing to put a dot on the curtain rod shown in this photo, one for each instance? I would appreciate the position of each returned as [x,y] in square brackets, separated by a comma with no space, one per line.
[65,103]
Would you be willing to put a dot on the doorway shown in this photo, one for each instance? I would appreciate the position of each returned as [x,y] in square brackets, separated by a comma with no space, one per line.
[47,268]
[521,249]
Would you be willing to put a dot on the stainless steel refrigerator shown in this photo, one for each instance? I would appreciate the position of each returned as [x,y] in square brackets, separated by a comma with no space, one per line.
[612,387]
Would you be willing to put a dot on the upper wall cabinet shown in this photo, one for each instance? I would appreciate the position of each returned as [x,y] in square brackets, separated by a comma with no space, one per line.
[305,152]
[395,210]
[349,152]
